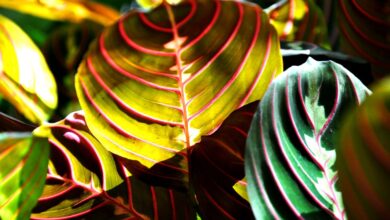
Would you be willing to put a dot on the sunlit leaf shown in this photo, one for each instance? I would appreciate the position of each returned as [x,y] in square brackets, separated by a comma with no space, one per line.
[69,10]
[149,4]
[364,30]
[85,181]
[155,82]
[296,53]
[23,167]
[290,152]
[217,165]
[298,20]
[25,79]
[363,157]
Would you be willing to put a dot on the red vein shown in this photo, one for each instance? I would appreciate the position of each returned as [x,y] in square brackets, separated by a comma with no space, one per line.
[136,46]
[173,206]
[238,71]
[368,15]
[209,26]
[114,126]
[120,102]
[223,211]
[225,45]
[154,201]
[260,185]
[269,164]
[129,192]
[119,69]
[263,66]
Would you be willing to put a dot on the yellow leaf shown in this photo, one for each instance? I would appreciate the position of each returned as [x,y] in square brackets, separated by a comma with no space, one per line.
[70,10]
[149,4]
[25,79]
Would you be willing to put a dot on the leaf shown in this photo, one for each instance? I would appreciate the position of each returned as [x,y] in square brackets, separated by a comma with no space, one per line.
[154,83]
[296,53]
[85,181]
[364,27]
[298,20]
[23,162]
[217,165]
[25,79]
[290,148]
[363,157]
[68,10]
[8,123]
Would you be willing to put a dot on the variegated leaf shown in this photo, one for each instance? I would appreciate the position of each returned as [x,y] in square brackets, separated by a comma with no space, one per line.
[154,83]
[291,150]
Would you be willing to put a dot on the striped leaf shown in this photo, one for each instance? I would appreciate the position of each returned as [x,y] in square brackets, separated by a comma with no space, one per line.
[217,168]
[364,30]
[290,148]
[25,79]
[298,20]
[85,181]
[154,83]
[9,124]
[65,10]
[363,157]
[23,167]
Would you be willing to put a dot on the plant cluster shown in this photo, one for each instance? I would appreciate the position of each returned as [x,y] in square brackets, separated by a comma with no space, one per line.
[194,109]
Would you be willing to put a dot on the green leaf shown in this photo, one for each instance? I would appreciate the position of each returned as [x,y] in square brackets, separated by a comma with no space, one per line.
[85,181]
[154,83]
[363,157]
[217,165]
[290,149]
[23,162]
[25,79]
[364,30]
[298,20]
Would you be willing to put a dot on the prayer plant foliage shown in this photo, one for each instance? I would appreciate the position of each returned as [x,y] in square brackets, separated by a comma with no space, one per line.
[169,92]
[290,151]
[153,83]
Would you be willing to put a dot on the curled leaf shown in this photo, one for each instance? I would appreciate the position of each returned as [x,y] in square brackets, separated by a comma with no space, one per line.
[23,162]
[290,152]
[363,157]
[147,100]
[69,10]
[25,79]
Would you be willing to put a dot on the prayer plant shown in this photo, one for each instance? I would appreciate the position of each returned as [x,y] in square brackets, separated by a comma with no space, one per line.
[194,109]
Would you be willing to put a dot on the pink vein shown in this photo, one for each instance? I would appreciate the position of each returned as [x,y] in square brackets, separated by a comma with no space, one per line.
[238,71]
[260,185]
[173,206]
[226,44]
[114,126]
[119,69]
[136,46]
[121,103]
[209,26]
[224,212]
[154,202]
